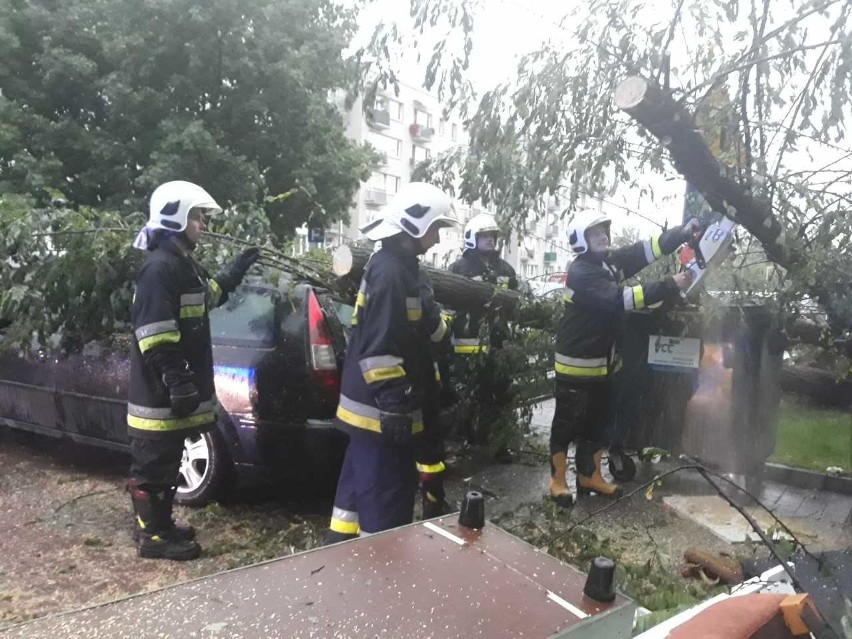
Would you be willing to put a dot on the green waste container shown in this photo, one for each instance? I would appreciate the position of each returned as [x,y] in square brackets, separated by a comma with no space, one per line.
[701,382]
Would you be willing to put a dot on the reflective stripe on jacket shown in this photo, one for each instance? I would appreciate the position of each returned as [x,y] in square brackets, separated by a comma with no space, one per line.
[170,328]
[595,302]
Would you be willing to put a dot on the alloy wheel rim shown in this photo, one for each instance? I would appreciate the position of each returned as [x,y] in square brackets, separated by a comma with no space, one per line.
[194,463]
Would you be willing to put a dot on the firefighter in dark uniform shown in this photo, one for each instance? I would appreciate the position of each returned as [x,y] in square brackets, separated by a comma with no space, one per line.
[171,394]
[388,370]
[586,342]
[472,339]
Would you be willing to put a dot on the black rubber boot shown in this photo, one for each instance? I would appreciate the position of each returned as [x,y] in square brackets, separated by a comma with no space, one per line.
[154,533]
[334,537]
[177,532]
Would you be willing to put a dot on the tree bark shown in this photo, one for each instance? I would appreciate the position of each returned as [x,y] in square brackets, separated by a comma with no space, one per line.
[817,384]
[453,291]
[676,129]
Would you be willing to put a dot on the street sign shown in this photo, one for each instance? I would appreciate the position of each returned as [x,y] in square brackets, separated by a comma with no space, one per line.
[679,354]
[316,234]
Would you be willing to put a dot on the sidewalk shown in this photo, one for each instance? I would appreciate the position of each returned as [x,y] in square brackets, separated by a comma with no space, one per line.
[783,500]
[510,486]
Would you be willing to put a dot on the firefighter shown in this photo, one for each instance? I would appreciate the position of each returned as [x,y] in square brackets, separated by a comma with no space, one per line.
[586,342]
[171,394]
[472,340]
[388,370]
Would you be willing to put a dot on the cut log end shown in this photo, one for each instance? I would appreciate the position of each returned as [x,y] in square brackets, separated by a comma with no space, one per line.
[341,261]
[630,92]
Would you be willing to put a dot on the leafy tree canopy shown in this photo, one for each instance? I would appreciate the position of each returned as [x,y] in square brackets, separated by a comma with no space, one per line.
[104,99]
[770,84]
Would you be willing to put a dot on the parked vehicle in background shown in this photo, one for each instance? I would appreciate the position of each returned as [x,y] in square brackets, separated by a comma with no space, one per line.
[277,354]
[549,286]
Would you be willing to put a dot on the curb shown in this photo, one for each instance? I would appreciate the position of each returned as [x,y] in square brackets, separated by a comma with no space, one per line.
[808,479]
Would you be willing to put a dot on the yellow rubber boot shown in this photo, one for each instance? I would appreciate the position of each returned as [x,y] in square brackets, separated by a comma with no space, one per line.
[596,483]
[559,491]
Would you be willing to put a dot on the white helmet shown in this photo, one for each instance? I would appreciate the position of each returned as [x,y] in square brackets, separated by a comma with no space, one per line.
[582,222]
[416,207]
[481,223]
[171,202]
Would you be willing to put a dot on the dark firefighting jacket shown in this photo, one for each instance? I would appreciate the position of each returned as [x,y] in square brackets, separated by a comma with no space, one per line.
[387,366]
[172,337]
[595,303]
[467,327]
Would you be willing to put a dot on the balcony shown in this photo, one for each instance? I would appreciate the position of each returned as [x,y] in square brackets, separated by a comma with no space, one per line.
[420,133]
[526,254]
[375,197]
[378,119]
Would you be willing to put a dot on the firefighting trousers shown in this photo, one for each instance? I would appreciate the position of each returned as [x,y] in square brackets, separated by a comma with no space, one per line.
[580,416]
[155,462]
[376,489]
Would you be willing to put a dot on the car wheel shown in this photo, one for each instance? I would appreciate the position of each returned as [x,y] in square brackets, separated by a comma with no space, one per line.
[202,469]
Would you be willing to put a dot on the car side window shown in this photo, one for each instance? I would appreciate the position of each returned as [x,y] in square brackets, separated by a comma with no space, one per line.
[344,312]
[248,317]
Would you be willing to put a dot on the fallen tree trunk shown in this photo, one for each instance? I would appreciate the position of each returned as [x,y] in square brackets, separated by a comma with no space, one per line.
[453,291]
[819,385]
[675,128]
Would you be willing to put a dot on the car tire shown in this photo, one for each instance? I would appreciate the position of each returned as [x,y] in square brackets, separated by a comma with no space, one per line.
[203,468]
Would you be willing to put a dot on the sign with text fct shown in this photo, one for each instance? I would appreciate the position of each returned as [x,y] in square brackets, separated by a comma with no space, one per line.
[681,354]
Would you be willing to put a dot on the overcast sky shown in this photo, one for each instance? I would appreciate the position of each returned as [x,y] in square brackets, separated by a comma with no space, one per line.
[504,30]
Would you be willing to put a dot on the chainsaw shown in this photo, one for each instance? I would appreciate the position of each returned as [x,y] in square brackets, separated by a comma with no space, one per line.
[706,249]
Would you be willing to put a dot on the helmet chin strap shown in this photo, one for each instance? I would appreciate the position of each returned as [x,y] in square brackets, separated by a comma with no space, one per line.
[405,243]
[185,242]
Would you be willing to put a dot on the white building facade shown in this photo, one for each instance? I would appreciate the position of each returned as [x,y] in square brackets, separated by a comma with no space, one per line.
[407,128]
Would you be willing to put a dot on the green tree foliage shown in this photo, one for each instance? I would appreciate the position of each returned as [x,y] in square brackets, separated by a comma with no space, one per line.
[103,100]
[769,82]
[68,273]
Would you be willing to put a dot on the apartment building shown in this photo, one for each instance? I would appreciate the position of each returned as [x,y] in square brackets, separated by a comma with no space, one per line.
[407,128]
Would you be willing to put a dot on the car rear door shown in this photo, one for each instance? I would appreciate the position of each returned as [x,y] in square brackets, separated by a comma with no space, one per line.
[91,387]
[28,389]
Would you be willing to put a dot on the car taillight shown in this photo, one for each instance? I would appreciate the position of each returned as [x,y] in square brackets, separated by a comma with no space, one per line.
[323,360]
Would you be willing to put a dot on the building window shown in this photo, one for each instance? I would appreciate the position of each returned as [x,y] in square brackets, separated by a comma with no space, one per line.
[392,147]
[442,126]
[393,107]
[419,154]
[455,134]
[384,182]
[422,118]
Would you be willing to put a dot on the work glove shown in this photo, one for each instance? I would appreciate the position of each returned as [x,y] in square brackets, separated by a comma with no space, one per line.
[692,230]
[396,427]
[183,393]
[242,263]
[184,399]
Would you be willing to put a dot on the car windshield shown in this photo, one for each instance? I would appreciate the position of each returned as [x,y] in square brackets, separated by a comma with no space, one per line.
[248,317]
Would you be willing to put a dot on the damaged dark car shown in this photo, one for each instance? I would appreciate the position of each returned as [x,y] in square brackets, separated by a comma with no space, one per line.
[277,352]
